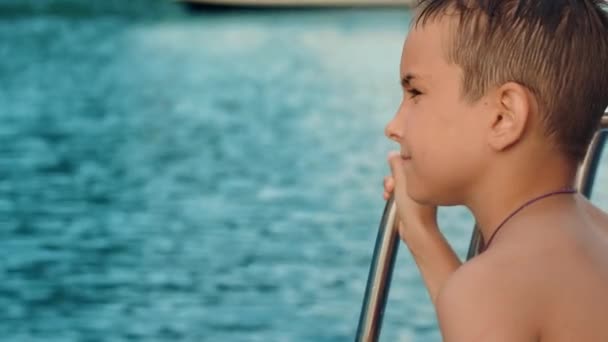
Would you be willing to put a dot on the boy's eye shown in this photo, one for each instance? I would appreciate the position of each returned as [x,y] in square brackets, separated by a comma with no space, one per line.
[413,92]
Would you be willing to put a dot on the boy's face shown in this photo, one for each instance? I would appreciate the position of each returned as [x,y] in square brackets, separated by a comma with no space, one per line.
[441,134]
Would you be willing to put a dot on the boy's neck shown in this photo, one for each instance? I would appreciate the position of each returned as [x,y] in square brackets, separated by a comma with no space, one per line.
[514,184]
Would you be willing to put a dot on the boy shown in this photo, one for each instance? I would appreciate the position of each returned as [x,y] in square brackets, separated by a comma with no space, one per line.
[501,98]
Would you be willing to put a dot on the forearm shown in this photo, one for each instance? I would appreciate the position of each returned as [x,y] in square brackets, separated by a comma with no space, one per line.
[434,256]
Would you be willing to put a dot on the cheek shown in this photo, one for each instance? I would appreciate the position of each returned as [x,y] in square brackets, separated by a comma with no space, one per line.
[440,179]
[443,168]
[418,127]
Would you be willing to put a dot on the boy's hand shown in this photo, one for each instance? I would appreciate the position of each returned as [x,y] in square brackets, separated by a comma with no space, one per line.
[412,216]
[418,229]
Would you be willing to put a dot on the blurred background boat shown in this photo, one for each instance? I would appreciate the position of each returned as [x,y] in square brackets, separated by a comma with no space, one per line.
[278,4]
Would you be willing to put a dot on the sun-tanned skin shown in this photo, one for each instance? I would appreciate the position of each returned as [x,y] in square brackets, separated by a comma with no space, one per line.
[545,275]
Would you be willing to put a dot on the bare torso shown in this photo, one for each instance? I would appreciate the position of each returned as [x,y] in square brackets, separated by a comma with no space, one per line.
[553,269]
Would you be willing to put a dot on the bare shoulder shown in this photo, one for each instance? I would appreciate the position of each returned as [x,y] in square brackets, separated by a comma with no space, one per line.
[545,281]
[596,215]
[576,271]
[488,300]
[584,246]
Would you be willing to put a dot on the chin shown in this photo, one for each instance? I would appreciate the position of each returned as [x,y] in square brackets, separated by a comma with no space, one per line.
[432,197]
[420,196]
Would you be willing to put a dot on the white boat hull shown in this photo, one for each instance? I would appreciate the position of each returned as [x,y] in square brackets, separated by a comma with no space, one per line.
[301,3]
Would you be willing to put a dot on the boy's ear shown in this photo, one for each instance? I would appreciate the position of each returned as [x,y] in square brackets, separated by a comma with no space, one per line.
[511,116]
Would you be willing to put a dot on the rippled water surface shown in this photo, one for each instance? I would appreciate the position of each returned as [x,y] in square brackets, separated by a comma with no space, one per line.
[169,176]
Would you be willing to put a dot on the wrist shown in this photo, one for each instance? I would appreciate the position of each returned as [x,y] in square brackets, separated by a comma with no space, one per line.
[420,227]
[419,236]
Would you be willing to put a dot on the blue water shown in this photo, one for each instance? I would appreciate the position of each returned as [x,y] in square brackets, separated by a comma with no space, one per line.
[166,176]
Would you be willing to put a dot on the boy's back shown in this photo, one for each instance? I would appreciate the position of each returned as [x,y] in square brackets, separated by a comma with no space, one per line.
[546,281]
[577,263]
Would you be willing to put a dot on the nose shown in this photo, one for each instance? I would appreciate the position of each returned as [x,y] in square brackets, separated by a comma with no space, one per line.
[394,128]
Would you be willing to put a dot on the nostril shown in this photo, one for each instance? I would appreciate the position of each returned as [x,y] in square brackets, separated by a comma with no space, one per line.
[391,133]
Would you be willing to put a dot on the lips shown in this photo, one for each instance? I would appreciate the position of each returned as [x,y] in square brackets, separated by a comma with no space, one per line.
[403,155]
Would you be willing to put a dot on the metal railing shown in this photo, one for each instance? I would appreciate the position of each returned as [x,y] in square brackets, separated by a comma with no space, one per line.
[387,243]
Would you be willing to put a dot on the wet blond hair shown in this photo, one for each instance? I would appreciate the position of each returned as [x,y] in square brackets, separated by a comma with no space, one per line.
[558,49]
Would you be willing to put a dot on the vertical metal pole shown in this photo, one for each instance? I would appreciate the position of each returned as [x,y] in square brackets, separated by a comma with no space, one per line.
[379,279]
[586,172]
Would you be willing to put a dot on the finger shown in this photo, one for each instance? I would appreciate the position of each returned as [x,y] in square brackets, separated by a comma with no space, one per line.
[398,174]
[389,185]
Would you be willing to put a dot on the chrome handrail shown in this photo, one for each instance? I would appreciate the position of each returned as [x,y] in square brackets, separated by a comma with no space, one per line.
[387,243]
[588,168]
[380,273]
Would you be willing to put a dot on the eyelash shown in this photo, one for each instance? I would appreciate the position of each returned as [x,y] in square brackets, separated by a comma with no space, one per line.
[413,92]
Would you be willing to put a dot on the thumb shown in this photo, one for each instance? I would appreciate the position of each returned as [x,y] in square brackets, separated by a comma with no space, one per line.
[408,209]
[396,164]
